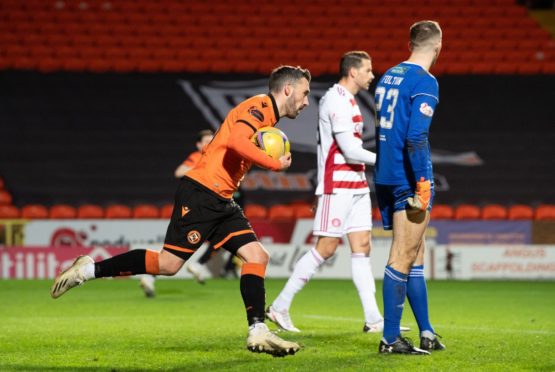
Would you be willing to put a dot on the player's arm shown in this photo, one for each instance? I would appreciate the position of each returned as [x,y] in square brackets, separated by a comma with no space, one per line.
[181,170]
[342,127]
[240,142]
[351,147]
[187,164]
[418,148]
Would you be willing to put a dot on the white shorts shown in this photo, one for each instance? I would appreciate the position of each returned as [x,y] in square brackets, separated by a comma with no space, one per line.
[340,214]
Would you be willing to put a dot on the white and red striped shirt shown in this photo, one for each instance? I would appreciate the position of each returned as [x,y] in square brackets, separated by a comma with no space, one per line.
[339,112]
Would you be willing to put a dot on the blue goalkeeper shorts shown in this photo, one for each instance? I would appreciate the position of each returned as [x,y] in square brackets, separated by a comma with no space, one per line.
[393,198]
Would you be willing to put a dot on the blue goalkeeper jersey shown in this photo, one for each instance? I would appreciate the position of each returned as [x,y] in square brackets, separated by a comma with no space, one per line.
[406,98]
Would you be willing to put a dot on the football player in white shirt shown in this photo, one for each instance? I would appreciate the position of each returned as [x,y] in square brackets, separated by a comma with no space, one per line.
[344,206]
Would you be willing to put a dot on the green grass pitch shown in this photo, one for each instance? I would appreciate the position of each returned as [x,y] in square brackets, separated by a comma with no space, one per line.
[108,325]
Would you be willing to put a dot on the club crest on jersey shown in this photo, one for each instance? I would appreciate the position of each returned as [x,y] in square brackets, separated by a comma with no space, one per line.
[193,237]
[256,113]
[426,109]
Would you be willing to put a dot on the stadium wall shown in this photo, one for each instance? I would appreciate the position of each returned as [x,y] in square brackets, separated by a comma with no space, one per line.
[116,138]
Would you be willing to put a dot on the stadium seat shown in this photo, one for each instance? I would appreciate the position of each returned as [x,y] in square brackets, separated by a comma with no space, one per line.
[255,211]
[281,212]
[115,211]
[88,28]
[442,212]
[9,211]
[520,212]
[494,212]
[302,210]
[5,197]
[90,211]
[545,212]
[166,211]
[467,212]
[2,184]
[61,211]
[34,211]
[146,211]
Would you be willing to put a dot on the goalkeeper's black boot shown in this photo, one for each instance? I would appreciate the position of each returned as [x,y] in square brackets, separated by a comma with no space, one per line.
[431,345]
[402,345]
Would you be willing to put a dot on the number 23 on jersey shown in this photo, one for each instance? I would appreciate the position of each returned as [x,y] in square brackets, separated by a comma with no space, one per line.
[390,97]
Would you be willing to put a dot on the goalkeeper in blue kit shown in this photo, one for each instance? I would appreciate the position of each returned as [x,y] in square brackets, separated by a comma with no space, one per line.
[406,98]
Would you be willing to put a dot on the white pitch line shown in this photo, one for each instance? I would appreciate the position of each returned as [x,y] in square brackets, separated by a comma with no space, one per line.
[464,328]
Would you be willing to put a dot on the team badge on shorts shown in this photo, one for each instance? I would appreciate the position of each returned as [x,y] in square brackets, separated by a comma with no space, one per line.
[336,222]
[193,237]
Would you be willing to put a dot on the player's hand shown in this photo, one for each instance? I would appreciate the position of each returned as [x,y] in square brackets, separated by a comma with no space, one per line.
[285,161]
[422,196]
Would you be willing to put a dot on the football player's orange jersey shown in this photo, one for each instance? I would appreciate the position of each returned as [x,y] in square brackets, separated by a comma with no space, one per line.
[221,168]
[192,159]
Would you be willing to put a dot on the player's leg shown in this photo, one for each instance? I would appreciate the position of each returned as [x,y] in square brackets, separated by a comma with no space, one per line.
[306,266]
[183,237]
[328,231]
[364,280]
[137,261]
[260,339]
[358,225]
[407,231]
[235,234]
[417,294]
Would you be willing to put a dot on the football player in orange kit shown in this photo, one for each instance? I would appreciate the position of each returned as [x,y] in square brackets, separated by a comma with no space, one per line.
[205,210]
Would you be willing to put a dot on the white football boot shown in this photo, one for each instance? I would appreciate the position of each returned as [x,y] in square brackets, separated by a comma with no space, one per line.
[147,284]
[71,277]
[261,340]
[196,270]
[378,327]
[281,318]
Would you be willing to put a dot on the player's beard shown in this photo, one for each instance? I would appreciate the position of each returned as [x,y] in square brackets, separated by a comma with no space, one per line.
[290,107]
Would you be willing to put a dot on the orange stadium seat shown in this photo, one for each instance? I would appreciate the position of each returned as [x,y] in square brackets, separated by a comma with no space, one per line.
[467,212]
[442,212]
[118,211]
[520,212]
[302,210]
[140,23]
[494,212]
[61,211]
[545,212]
[255,211]
[146,211]
[5,197]
[281,212]
[166,211]
[90,211]
[9,211]
[34,211]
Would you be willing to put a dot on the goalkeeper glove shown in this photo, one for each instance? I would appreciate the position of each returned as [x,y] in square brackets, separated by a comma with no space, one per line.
[422,196]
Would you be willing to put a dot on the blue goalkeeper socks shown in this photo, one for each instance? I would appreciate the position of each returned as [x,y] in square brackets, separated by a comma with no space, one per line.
[417,294]
[394,293]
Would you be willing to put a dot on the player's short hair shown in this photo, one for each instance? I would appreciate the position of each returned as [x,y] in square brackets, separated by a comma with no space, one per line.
[423,32]
[203,133]
[286,74]
[352,59]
